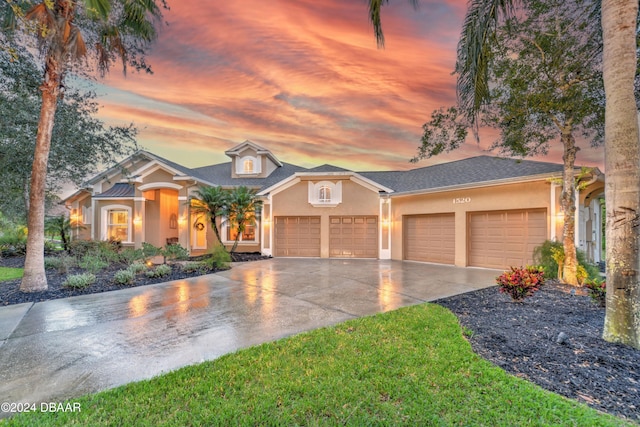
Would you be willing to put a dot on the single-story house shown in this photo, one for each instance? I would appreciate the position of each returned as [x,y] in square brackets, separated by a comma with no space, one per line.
[483,211]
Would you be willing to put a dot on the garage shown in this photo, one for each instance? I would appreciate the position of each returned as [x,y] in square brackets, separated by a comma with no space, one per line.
[297,236]
[500,239]
[430,238]
[353,237]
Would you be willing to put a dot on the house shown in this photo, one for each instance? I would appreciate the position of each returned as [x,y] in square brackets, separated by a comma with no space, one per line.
[483,211]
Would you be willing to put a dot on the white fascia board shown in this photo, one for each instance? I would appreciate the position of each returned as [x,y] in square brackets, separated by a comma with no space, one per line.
[482,184]
[156,185]
[153,166]
[353,176]
[280,186]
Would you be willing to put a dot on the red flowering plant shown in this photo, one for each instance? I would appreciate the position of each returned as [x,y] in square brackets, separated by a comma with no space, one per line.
[521,282]
[597,291]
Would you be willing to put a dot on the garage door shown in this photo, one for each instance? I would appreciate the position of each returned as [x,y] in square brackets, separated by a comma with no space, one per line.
[353,237]
[500,239]
[297,236]
[429,238]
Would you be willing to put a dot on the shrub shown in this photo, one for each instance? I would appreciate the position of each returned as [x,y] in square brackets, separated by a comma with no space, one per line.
[13,243]
[79,281]
[219,258]
[194,266]
[150,251]
[93,263]
[104,250]
[597,291]
[61,263]
[175,251]
[550,255]
[521,283]
[124,277]
[137,268]
[160,271]
[130,256]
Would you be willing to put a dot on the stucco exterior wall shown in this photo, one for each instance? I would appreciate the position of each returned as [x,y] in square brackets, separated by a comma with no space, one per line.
[459,202]
[294,201]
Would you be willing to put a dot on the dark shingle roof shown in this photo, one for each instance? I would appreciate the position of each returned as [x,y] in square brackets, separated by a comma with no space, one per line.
[328,168]
[220,174]
[467,171]
[118,190]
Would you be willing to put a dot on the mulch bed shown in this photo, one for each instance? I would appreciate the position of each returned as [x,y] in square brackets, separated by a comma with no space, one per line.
[553,339]
[10,292]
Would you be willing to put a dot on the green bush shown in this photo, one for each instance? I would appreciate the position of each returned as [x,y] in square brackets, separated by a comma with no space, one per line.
[160,271]
[597,291]
[546,256]
[219,258]
[520,283]
[13,242]
[175,251]
[61,263]
[150,251]
[93,263]
[79,281]
[124,277]
[130,256]
[107,251]
[137,268]
[195,266]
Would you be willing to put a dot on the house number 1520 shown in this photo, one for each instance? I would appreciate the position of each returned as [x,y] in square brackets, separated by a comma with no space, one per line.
[462,200]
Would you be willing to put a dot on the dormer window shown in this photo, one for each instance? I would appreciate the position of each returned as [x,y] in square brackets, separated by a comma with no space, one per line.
[247,165]
[325,194]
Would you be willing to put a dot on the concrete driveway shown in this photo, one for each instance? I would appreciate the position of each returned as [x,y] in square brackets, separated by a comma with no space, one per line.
[65,348]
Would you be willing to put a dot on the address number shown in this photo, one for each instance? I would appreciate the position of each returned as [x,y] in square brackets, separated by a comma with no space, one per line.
[462,200]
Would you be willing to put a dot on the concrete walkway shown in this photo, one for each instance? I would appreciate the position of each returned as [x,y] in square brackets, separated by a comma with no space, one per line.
[65,348]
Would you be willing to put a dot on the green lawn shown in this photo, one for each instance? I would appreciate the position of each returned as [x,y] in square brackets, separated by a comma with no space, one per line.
[407,367]
[7,273]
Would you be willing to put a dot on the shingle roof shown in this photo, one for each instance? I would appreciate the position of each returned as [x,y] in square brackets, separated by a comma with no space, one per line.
[327,168]
[220,174]
[118,190]
[467,171]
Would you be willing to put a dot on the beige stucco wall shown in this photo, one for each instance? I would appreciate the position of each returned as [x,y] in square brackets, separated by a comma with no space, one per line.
[294,201]
[508,196]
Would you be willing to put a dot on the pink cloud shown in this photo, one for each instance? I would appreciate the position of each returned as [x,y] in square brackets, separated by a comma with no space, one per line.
[303,78]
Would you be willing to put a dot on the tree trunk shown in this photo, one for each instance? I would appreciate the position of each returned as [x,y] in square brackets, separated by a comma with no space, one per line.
[622,162]
[568,203]
[34,278]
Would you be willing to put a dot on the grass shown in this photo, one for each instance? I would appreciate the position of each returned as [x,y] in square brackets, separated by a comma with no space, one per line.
[7,273]
[408,367]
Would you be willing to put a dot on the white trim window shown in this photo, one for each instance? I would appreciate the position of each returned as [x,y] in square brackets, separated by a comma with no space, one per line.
[247,165]
[116,223]
[325,193]
[249,235]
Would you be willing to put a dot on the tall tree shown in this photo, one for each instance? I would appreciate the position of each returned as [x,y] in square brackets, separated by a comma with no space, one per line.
[66,29]
[622,139]
[545,86]
[81,142]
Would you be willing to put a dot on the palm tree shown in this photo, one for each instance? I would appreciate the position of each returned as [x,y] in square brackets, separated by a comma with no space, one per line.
[622,141]
[243,206]
[113,28]
[213,203]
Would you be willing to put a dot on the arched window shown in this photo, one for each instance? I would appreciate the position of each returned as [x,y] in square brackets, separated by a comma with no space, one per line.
[324,194]
[248,166]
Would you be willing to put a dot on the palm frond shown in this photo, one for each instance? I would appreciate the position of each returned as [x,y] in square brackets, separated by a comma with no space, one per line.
[474,54]
[375,17]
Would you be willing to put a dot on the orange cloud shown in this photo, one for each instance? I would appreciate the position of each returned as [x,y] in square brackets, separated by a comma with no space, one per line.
[304,78]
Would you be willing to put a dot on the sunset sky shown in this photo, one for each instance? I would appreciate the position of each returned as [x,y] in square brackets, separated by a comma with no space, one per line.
[302,78]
